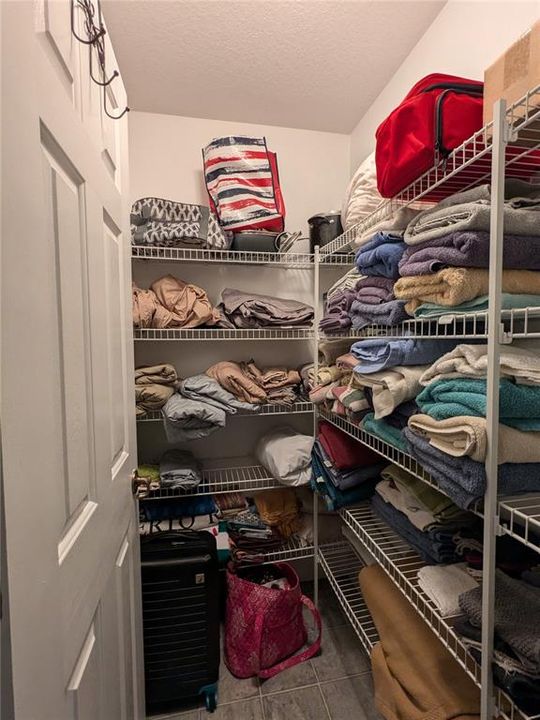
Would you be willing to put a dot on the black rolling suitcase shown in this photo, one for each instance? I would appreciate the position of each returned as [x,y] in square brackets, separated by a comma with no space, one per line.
[180,589]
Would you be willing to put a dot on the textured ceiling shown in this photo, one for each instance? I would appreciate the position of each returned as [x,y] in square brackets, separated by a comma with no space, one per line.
[315,64]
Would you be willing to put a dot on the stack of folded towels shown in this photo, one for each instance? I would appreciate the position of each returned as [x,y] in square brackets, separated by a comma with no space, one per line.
[171,302]
[516,666]
[388,371]
[241,309]
[154,385]
[202,402]
[438,263]
[344,471]
[272,518]
[427,520]
[445,266]
[449,434]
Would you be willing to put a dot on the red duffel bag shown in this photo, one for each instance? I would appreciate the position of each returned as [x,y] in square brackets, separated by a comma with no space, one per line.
[437,115]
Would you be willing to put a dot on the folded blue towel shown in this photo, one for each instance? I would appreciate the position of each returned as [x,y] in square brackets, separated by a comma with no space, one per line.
[463,479]
[347,479]
[379,353]
[519,405]
[431,549]
[384,431]
[381,255]
[333,497]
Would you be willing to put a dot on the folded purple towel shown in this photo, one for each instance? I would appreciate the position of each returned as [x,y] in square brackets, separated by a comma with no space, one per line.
[469,249]
[336,322]
[387,313]
[375,290]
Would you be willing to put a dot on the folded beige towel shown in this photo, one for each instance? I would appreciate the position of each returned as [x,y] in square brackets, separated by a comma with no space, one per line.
[466,435]
[454,285]
[444,584]
[325,375]
[471,361]
[151,398]
[392,386]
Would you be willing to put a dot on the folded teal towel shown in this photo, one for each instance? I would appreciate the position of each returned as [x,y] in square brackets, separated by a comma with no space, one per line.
[509,301]
[519,405]
[384,431]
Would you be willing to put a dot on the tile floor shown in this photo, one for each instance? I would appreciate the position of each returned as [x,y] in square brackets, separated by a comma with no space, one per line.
[336,685]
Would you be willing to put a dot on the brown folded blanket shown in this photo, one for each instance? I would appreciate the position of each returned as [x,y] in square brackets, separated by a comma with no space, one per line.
[415,676]
[230,376]
[163,374]
[144,303]
[280,508]
[454,285]
[187,305]
[151,398]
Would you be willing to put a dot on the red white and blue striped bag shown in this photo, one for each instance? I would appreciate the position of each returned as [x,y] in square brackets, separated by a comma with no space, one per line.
[243,184]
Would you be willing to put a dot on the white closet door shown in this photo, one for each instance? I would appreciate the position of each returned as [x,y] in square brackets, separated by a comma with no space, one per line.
[67,379]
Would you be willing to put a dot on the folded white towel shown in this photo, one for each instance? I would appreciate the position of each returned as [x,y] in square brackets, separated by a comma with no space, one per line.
[466,435]
[471,361]
[392,386]
[443,584]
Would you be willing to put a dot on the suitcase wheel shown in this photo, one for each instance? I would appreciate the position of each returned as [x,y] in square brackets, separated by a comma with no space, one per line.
[210,697]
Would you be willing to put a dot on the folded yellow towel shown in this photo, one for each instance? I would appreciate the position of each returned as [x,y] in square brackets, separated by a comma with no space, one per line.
[455,285]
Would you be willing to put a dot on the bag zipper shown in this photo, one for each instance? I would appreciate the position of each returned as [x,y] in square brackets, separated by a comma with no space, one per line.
[439,147]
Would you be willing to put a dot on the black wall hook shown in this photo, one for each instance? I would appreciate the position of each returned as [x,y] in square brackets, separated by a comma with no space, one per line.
[96,42]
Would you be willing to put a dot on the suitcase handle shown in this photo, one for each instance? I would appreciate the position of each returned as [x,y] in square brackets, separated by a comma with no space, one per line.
[306,654]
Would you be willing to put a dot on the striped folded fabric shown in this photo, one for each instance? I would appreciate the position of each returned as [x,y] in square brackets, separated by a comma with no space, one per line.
[243,184]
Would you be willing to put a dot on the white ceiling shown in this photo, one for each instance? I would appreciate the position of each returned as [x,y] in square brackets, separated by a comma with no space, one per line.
[314,64]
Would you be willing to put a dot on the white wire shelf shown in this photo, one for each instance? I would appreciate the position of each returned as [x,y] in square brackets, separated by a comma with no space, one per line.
[282,333]
[401,564]
[245,476]
[519,517]
[233,257]
[298,408]
[293,549]
[341,566]
[467,166]
[518,323]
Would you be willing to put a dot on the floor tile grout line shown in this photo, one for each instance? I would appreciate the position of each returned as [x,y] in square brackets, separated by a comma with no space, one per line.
[283,691]
[324,702]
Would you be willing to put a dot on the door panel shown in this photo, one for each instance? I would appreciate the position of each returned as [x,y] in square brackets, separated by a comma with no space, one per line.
[67,380]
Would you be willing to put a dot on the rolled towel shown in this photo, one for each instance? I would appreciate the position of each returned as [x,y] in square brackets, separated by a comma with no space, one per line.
[456,285]
[471,361]
[464,435]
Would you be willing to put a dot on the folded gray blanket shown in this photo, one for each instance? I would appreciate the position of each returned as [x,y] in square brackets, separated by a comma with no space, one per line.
[387,313]
[469,249]
[470,210]
[187,419]
[206,389]
[179,469]
[250,310]
[517,614]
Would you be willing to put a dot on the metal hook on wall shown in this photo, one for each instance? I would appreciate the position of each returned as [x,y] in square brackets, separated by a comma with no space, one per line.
[95,41]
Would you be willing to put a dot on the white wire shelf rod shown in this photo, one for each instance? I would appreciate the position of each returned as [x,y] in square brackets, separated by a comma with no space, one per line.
[295,409]
[207,334]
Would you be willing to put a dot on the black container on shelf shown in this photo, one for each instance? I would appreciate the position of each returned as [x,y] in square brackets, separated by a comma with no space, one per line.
[324,227]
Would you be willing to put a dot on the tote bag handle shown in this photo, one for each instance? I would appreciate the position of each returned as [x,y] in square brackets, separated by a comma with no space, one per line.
[306,654]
